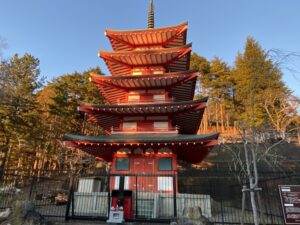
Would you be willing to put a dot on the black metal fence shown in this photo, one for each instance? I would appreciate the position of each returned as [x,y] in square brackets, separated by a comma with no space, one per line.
[224,204]
[47,190]
[144,196]
[148,197]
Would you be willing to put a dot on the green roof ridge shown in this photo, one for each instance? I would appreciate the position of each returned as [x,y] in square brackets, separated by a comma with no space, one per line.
[141,137]
[146,75]
[148,104]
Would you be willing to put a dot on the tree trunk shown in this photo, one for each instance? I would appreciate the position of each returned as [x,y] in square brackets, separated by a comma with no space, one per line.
[204,123]
[222,118]
[253,204]
[227,122]
[3,161]
[249,159]
[234,127]
[253,175]
[206,119]
[216,115]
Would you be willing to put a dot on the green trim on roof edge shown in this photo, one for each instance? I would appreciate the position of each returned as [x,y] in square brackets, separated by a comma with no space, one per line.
[204,99]
[145,75]
[144,138]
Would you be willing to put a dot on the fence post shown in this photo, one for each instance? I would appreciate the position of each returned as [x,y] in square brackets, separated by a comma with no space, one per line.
[108,194]
[31,188]
[136,196]
[1,175]
[222,211]
[70,198]
[243,204]
[269,211]
[73,202]
[262,217]
[174,195]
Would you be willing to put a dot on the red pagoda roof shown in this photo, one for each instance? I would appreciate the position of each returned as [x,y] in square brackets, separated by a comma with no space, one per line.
[115,88]
[129,40]
[144,81]
[149,108]
[122,62]
[190,148]
[186,115]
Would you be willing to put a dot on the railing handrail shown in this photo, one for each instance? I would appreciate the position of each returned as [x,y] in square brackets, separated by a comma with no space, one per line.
[146,100]
[145,129]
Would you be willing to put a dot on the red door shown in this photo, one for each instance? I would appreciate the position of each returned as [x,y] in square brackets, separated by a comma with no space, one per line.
[144,168]
[149,184]
[138,169]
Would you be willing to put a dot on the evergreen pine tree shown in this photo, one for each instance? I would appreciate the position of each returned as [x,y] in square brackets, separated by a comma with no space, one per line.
[254,73]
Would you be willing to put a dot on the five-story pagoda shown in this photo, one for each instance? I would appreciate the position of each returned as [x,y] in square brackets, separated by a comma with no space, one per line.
[151,120]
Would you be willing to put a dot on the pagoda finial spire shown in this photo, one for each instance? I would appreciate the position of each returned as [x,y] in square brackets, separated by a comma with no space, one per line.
[151,16]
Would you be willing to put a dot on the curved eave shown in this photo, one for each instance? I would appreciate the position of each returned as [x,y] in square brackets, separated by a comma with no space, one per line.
[122,62]
[187,121]
[116,139]
[147,108]
[159,51]
[181,91]
[159,29]
[191,148]
[144,81]
[185,115]
[132,39]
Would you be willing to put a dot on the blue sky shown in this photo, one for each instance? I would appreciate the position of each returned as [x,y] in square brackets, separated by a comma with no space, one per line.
[66,35]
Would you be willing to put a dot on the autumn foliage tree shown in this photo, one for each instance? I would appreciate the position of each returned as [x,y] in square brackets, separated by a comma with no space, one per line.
[59,101]
[216,82]
[34,118]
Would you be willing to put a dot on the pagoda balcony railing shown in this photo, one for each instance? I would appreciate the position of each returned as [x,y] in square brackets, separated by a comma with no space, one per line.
[146,100]
[152,130]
